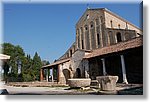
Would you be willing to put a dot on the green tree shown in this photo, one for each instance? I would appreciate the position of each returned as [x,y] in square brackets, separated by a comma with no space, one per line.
[17,55]
[27,69]
[45,62]
[30,68]
[37,64]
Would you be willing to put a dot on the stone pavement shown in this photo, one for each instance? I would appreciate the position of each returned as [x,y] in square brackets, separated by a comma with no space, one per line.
[121,89]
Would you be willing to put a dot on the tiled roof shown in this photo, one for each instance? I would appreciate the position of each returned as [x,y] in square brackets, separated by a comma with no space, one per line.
[136,42]
[57,62]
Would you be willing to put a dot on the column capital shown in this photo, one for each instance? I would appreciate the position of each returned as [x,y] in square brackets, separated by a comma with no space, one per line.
[102,59]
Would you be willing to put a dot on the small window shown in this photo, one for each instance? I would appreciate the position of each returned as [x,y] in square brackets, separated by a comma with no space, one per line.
[86,28]
[91,24]
[111,24]
[98,40]
[119,26]
[82,44]
[119,37]
[70,53]
[87,16]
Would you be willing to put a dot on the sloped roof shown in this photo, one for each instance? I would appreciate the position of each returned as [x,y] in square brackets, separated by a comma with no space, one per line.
[57,62]
[110,12]
[136,42]
[4,57]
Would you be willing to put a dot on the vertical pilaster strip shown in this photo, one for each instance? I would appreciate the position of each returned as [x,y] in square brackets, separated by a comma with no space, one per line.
[80,38]
[100,28]
[90,40]
[77,38]
[108,37]
[84,38]
[96,35]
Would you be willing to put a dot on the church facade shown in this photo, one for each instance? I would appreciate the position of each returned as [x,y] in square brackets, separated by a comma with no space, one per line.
[106,44]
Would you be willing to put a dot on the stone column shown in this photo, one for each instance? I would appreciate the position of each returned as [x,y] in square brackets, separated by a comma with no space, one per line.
[123,70]
[58,73]
[41,75]
[104,67]
[47,75]
[52,74]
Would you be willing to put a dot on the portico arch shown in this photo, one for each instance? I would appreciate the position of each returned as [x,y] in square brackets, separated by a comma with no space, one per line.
[78,73]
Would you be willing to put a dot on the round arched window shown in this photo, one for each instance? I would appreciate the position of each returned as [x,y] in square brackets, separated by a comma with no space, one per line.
[118,37]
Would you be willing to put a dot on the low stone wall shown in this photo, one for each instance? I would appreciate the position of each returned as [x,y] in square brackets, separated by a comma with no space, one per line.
[79,82]
[34,84]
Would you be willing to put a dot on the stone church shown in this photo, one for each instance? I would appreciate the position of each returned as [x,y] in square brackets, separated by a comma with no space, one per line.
[106,44]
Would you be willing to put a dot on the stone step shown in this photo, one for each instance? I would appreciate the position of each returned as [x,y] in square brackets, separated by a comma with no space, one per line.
[94,83]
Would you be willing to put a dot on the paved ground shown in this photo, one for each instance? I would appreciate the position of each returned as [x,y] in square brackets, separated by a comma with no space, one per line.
[43,91]
[37,90]
[121,90]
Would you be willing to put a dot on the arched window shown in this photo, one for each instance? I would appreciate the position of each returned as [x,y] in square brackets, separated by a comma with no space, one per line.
[98,39]
[82,44]
[70,53]
[87,16]
[118,37]
[82,38]
[91,25]
[86,27]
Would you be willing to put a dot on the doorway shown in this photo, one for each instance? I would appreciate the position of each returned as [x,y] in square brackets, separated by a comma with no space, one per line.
[78,73]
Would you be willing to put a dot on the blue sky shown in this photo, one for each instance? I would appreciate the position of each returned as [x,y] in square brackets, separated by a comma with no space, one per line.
[49,29]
